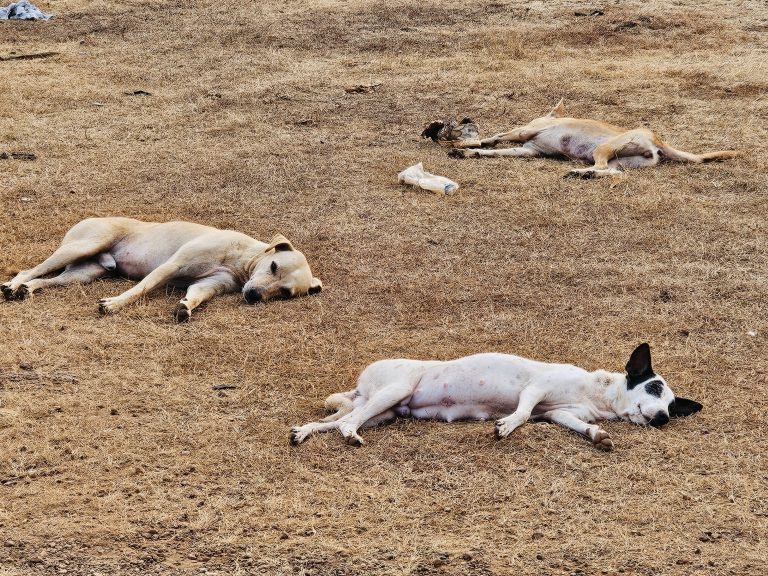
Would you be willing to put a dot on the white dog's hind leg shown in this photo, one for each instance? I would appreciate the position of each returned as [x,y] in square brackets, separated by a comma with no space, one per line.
[73,274]
[341,402]
[527,401]
[600,438]
[380,403]
[301,433]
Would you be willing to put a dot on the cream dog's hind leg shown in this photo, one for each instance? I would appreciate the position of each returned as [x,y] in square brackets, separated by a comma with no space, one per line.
[82,273]
[526,151]
[86,239]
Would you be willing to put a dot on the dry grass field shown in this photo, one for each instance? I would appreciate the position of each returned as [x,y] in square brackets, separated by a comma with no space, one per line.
[117,455]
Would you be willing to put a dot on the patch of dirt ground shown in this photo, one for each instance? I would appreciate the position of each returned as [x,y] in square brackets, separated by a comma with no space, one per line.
[117,456]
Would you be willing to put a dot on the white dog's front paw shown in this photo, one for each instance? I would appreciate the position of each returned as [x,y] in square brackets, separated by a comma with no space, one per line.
[504,429]
[602,440]
[109,305]
[351,436]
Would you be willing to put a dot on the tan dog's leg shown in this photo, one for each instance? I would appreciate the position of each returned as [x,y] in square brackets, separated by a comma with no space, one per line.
[159,276]
[519,152]
[627,145]
[522,134]
[473,143]
[202,291]
[680,156]
[74,274]
[599,437]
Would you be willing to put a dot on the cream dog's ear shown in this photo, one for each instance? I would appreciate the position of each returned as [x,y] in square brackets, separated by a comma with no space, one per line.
[316,286]
[559,110]
[279,243]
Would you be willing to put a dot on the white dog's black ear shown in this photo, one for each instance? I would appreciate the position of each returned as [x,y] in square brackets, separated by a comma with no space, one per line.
[315,287]
[683,407]
[639,366]
[279,243]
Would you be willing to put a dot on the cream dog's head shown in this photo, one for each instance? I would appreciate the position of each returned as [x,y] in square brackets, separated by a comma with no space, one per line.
[282,273]
[648,398]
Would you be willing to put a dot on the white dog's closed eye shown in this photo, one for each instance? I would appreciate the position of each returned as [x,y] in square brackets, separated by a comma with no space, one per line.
[510,388]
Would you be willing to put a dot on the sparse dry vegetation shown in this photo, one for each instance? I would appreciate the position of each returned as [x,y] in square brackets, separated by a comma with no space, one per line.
[118,457]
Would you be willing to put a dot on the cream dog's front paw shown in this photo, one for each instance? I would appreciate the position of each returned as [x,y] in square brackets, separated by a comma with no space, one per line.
[182,312]
[110,305]
[13,291]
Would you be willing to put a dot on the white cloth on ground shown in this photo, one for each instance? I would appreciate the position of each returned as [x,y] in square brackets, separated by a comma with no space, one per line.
[23,10]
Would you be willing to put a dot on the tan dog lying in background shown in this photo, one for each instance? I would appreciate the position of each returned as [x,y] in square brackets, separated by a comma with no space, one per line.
[609,147]
[205,260]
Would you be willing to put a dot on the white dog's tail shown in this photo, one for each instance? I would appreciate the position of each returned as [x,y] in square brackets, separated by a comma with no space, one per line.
[341,402]
[681,156]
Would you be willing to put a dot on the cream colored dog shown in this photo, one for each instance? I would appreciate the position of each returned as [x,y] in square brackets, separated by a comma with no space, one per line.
[205,260]
[608,147]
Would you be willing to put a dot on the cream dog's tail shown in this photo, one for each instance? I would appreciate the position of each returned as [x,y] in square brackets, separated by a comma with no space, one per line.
[680,156]
[341,402]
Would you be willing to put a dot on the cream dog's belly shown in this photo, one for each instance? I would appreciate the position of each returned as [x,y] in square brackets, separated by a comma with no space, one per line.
[137,254]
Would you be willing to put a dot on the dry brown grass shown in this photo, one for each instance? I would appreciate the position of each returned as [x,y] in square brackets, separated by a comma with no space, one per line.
[116,456]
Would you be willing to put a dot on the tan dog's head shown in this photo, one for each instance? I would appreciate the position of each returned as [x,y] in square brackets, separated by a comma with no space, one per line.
[282,273]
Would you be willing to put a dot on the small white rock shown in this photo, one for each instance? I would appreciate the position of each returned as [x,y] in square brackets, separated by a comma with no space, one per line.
[752,333]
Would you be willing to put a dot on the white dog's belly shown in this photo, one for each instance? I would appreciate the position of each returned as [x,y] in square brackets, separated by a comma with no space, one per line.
[451,413]
[477,387]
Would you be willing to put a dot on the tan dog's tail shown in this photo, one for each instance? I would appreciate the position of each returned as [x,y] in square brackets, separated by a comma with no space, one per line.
[681,156]
[341,402]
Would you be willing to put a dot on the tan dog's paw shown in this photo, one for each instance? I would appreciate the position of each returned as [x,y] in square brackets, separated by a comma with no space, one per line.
[109,306]
[602,441]
[182,312]
[583,173]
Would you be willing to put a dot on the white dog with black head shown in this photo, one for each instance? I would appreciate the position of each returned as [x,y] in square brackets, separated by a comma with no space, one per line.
[512,388]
